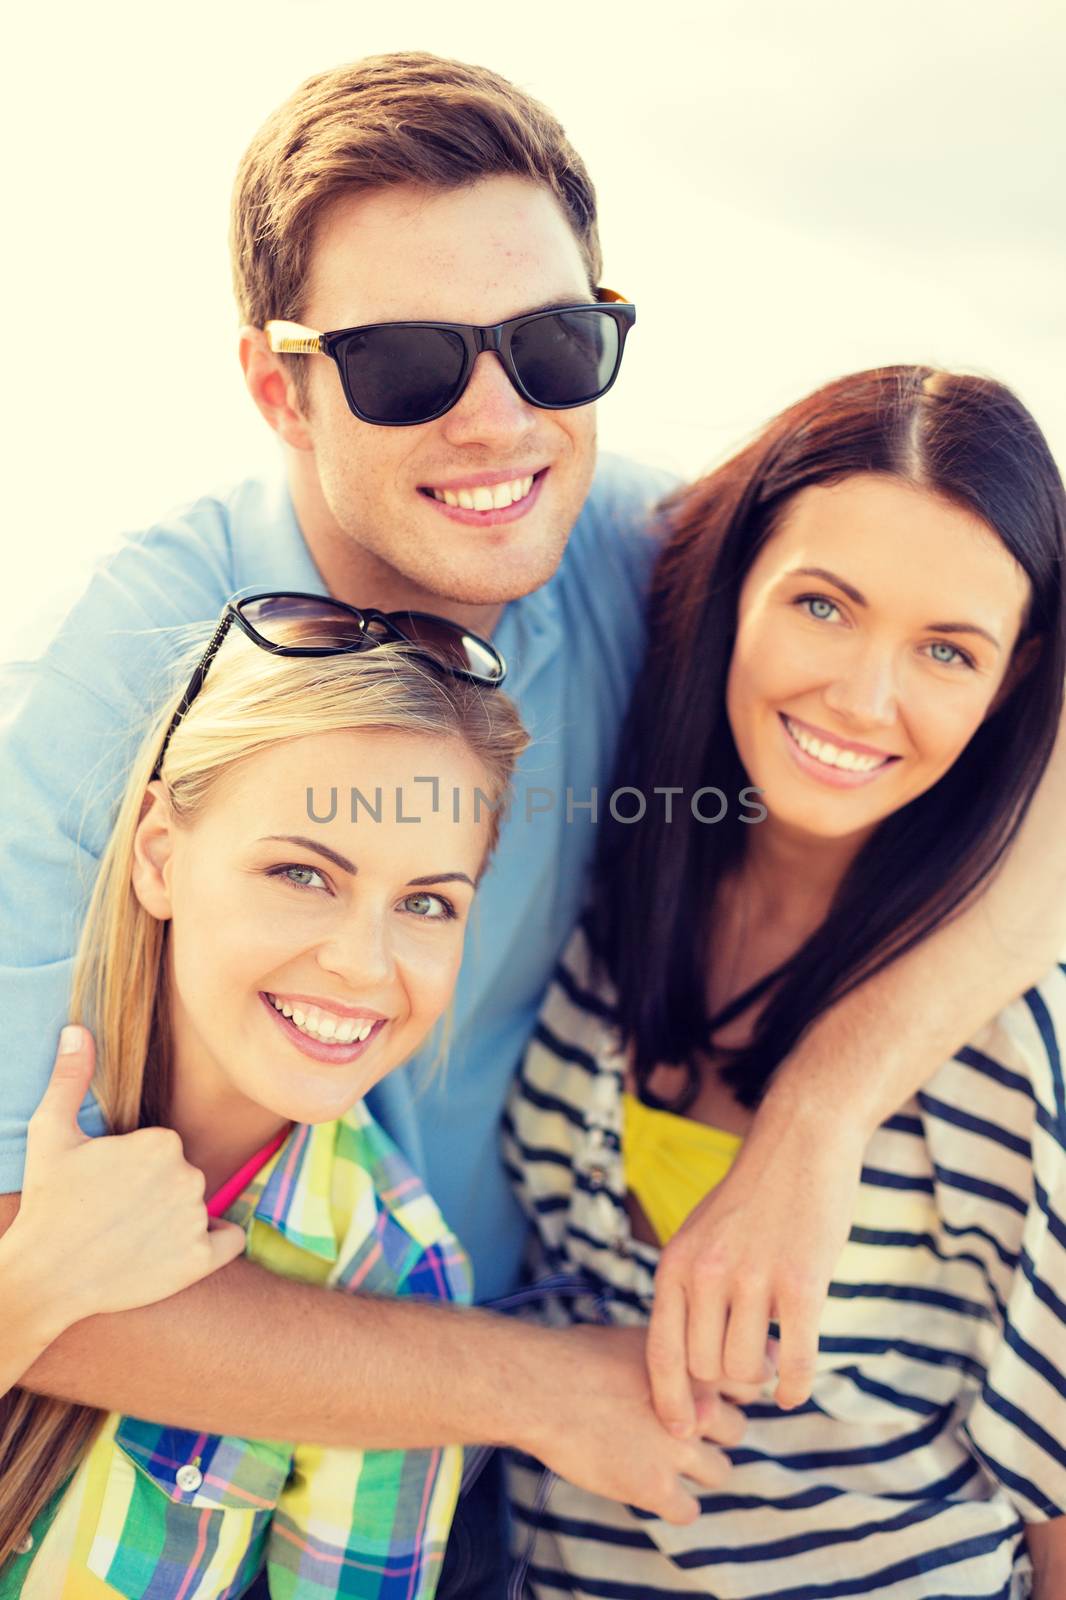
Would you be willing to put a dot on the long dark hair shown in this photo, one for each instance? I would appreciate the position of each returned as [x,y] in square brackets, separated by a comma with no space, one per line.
[965,438]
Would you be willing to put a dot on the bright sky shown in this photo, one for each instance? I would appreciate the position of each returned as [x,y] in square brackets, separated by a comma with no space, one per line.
[790,190]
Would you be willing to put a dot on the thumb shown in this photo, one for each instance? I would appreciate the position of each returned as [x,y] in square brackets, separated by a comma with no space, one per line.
[72,1073]
[226,1241]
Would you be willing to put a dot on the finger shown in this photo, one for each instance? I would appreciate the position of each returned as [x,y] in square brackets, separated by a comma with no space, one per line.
[675,1505]
[746,1333]
[746,1393]
[671,1391]
[706,1327]
[57,1115]
[797,1361]
[707,1465]
[226,1241]
[719,1421]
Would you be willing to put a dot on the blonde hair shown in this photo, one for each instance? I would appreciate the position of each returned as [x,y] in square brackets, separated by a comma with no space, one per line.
[404,118]
[251,701]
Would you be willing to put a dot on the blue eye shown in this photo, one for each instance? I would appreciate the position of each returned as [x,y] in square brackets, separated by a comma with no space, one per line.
[818,607]
[422,906]
[951,655]
[283,874]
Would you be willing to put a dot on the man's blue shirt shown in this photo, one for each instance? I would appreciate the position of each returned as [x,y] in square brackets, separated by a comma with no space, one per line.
[72,720]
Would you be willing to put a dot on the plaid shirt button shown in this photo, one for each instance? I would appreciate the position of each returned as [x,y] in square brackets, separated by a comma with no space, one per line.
[189,1478]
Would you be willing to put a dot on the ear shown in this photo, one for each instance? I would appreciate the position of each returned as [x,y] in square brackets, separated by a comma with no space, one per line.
[153,845]
[271,387]
[1025,657]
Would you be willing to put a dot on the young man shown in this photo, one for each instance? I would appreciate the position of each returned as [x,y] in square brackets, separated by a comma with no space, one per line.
[408,189]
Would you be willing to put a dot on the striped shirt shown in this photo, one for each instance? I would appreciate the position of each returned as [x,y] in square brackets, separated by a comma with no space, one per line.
[937,1423]
[170,1514]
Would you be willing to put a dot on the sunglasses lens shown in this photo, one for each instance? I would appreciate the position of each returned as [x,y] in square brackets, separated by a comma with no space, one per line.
[566,358]
[449,644]
[402,375]
[306,624]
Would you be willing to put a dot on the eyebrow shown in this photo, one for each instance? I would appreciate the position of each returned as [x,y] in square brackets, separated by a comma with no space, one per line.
[441,877]
[557,305]
[347,866]
[861,600]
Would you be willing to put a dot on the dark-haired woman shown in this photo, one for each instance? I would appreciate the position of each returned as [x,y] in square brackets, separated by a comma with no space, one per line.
[861,615]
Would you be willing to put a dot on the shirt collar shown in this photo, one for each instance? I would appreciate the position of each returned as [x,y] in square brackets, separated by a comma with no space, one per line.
[269,549]
[292,1193]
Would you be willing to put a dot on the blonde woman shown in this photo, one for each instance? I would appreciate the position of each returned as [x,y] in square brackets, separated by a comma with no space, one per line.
[248,973]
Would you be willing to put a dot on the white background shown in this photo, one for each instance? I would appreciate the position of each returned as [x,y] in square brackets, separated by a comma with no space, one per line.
[790,189]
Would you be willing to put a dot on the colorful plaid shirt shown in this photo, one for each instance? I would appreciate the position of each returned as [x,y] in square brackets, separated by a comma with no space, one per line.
[171,1514]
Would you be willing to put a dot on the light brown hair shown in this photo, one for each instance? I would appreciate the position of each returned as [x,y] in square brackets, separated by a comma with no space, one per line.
[387,120]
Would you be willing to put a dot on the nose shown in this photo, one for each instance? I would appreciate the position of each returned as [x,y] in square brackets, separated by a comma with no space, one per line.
[358,953]
[865,695]
[490,410]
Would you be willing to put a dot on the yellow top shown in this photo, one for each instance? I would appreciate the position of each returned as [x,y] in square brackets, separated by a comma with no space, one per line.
[671,1162]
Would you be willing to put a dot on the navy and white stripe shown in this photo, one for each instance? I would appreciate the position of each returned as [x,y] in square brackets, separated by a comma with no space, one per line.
[937,1425]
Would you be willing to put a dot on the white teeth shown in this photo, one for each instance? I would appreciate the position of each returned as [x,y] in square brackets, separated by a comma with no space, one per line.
[822,750]
[319,1024]
[484,498]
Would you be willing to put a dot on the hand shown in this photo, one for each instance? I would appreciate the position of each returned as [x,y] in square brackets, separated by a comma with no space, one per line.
[763,1243]
[111,1223]
[596,1426]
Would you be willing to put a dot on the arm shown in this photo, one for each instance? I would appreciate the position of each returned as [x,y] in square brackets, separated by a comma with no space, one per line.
[30,1323]
[246,1352]
[765,1242]
[1047,1549]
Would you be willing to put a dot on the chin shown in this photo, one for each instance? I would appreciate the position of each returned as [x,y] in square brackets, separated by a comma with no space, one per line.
[507,578]
[319,1108]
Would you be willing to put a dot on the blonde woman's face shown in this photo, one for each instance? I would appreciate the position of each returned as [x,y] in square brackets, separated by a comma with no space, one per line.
[311,953]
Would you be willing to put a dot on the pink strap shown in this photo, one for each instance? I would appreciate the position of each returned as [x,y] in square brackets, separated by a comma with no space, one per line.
[223,1198]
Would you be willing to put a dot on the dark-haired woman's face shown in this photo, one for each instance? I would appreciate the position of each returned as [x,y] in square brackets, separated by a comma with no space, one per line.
[875,630]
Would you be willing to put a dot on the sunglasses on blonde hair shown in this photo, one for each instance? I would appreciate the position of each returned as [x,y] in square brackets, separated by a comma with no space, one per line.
[291,623]
[400,374]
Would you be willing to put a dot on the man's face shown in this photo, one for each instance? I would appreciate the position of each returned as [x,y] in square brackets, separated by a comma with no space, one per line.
[480,255]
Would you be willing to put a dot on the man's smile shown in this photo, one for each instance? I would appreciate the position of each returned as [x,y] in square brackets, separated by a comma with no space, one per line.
[487,498]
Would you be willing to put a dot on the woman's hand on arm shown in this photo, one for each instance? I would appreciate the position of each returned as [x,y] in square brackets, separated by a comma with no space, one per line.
[766,1241]
[104,1224]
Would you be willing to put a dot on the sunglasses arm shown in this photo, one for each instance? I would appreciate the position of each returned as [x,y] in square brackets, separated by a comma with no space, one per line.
[195,684]
[292,339]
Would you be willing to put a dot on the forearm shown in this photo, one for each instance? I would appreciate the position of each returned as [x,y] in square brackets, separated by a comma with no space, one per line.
[249,1353]
[30,1321]
[1047,1550]
[872,1051]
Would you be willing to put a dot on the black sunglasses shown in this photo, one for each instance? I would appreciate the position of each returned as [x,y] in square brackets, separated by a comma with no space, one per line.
[290,623]
[400,374]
